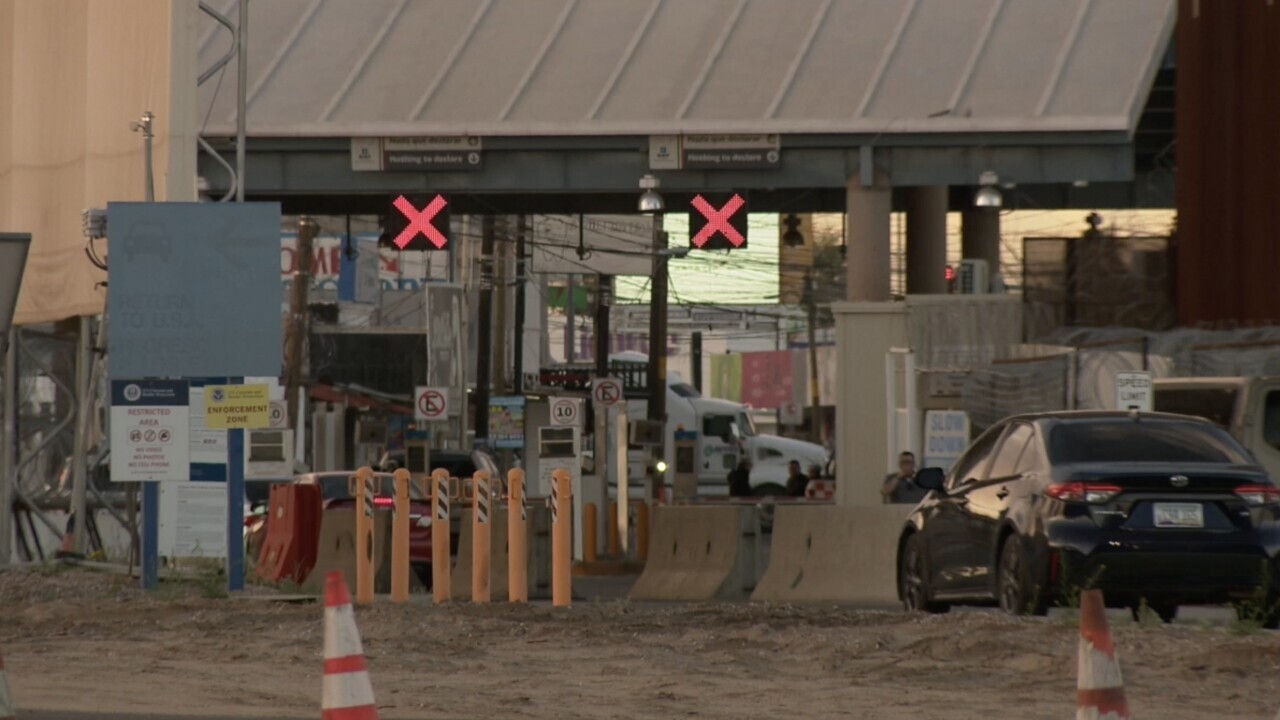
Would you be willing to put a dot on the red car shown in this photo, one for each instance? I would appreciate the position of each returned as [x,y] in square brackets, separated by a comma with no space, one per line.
[335,492]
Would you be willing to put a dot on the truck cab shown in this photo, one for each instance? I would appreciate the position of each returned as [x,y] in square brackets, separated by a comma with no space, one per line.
[726,434]
[1247,407]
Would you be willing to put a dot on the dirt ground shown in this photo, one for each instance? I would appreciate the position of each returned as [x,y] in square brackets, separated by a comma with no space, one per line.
[75,640]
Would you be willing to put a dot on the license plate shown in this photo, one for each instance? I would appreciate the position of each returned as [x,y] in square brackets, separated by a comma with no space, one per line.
[1179,515]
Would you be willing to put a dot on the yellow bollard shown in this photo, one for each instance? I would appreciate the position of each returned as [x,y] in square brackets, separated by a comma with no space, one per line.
[611,529]
[441,560]
[642,532]
[363,489]
[517,539]
[561,538]
[589,532]
[400,539]
[480,537]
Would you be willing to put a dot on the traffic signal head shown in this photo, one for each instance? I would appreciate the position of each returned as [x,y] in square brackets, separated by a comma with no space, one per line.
[791,235]
[417,222]
[718,221]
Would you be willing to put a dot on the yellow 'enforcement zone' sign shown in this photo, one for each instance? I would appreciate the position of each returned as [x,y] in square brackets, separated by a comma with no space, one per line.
[237,407]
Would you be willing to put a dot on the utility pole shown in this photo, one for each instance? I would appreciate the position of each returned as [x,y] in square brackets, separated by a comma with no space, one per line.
[600,416]
[815,398]
[571,319]
[522,227]
[697,359]
[501,287]
[9,445]
[657,380]
[484,339]
[299,314]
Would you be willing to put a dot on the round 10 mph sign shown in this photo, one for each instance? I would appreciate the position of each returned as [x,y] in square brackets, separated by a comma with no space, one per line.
[565,411]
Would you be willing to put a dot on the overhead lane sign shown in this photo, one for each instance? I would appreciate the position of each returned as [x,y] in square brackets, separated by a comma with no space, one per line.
[718,221]
[449,153]
[715,152]
[417,222]
[237,407]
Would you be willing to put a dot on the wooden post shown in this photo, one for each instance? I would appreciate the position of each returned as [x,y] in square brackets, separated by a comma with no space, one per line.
[481,530]
[517,539]
[611,529]
[400,539]
[441,561]
[561,538]
[363,490]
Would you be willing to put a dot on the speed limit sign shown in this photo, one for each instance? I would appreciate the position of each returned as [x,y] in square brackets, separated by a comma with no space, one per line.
[565,411]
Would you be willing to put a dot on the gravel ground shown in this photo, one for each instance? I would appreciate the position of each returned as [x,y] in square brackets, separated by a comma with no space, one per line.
[82,641]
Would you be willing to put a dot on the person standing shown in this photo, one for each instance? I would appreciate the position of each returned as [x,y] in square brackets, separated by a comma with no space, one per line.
[797,481]
[901,487]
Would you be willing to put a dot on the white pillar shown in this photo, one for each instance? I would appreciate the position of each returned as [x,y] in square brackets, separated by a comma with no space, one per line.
[864,334]
[927,240]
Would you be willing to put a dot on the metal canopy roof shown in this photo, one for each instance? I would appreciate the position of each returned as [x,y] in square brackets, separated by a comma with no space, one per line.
[620,67]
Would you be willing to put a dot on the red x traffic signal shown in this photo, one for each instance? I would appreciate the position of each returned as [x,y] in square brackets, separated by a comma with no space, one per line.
[417,222]
[718,221]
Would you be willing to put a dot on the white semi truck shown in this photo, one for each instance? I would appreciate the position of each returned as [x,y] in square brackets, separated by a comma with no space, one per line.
[1247,407]
[725,435]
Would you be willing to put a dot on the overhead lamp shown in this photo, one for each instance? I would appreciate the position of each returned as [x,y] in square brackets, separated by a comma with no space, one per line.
[650,201]
[988,194]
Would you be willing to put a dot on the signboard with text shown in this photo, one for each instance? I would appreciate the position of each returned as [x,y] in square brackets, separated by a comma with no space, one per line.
[231,407]
[149,431]
[417,154]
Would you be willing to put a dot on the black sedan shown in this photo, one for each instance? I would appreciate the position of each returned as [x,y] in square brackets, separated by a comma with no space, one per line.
[1151,508]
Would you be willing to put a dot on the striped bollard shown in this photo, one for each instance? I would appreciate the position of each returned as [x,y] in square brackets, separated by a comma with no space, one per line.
[363,490]
[441,552]
[517,539]
[400,538]
[481,530]
[561,538]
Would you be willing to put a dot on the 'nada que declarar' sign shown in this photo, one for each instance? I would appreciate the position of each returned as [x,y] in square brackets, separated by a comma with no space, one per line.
[236,407]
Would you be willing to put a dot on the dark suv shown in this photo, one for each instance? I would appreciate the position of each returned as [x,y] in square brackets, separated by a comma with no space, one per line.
[1155,508]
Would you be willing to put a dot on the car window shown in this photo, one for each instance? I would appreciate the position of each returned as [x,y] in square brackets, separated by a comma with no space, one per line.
[1156,441]
[972,465]
[1012,448]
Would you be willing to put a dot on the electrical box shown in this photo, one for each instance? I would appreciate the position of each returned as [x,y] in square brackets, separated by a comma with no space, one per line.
[646,432]
[975,277]
[417,457]
[561,448]
[371,441]
[268,455]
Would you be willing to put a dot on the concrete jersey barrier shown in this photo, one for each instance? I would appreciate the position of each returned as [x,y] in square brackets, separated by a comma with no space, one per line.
[336,550]
[701,553]
[834,554]
[538,542]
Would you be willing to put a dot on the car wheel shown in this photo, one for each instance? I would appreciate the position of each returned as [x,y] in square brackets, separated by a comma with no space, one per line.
[913,579]
[1015,591]
[423,573]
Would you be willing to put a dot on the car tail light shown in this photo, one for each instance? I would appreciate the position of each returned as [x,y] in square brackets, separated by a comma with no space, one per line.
[384,501]
[1092,493]
[1259,494]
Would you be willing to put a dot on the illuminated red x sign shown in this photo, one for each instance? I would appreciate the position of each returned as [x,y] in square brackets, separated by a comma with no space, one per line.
[409,228]
[719,222]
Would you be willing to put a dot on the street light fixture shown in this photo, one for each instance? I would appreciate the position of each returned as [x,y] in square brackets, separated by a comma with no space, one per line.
[650,201]
[988,195]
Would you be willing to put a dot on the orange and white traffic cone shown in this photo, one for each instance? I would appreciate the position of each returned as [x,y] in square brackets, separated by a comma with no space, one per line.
[1100,689]
[6,700]
[347,694]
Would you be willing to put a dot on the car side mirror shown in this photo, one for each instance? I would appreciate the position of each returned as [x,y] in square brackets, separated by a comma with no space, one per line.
[930,478]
